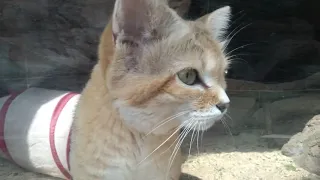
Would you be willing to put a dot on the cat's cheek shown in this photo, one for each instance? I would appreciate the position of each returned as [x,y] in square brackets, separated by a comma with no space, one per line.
[136,119]
[145,120]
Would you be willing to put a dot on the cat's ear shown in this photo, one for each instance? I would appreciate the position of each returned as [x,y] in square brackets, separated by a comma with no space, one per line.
[218,22]
[138,23]
[133,20]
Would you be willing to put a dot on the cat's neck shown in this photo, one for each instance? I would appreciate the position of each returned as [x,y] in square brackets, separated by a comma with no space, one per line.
[98,121]
[96,93]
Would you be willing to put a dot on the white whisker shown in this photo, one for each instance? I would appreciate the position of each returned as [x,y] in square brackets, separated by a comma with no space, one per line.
[228,128]
[191,139]
[234,30]
[229,40]
[162,143]
[167,120]
[229,117]
[240,47]
[202,132]
[184,130]
[234,58]
[198,132]
[238,18]
[177,147]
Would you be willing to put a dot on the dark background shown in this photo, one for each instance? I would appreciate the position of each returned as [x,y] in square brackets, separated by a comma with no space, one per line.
[281,38]
[53,43]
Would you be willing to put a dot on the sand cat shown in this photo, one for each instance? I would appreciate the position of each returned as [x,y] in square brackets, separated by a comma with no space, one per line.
[157,74]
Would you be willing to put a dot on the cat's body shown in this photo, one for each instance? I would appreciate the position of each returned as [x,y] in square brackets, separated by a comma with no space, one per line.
[107,149]
[105,133]
[127,122]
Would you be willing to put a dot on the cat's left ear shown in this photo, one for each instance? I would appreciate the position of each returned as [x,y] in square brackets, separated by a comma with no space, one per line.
[218,22]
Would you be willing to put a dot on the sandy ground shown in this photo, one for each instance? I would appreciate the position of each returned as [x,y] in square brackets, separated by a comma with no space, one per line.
[221,157]
[243,157]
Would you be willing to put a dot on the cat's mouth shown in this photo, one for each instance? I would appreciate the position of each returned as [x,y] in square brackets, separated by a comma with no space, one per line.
[212,113]
[203,120]
[201,124]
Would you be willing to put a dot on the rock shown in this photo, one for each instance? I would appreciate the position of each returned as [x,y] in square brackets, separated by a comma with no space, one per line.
[275,45]
[19,15]
[53,44]
[304,147]
[274,38]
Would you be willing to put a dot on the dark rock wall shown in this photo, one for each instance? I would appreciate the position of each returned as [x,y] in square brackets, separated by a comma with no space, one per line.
[52,43]
[280,41]
[49,43]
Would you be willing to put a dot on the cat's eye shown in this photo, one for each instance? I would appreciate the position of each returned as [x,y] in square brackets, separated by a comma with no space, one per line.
[188,76]
[226,72]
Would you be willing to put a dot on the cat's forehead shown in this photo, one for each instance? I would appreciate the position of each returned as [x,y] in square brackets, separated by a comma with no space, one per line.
[198,49]
[190,46]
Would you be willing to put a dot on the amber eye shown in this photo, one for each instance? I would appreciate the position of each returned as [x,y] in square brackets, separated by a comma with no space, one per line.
[188,76]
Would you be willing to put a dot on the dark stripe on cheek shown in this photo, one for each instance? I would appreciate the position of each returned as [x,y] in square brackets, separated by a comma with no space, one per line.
[145,93]
[181,93]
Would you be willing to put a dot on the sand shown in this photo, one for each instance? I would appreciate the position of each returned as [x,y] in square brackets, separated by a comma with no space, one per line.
[221,156]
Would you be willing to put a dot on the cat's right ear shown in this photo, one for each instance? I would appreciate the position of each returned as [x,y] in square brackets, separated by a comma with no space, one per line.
[138,23]
[218,22]
[132,21]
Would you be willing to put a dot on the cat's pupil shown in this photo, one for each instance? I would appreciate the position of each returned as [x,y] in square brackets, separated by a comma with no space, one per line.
[188,76]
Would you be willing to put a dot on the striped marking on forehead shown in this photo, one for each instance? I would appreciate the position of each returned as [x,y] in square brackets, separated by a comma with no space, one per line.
[212,67]
[210,63]
[207,73]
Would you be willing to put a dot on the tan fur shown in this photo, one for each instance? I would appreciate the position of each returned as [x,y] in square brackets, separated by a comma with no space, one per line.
[122,103]
[106,47]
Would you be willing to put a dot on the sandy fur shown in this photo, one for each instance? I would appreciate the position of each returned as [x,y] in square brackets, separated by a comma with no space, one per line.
[122,103]
[103,142]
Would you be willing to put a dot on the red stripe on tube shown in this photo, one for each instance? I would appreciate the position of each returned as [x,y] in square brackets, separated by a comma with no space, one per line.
[55,116]
[3,113]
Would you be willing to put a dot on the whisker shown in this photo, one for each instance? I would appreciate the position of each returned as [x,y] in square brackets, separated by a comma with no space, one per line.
[229,40]
[177,147]
[228,128]
[198,138]
[167,120]
[240,54]
[173,142]
[234,59]
[229,117]
[191,140]
[202,132]
[240,47]
[178,129]
[184,130]
[234,30]
[238,18]
[225,45]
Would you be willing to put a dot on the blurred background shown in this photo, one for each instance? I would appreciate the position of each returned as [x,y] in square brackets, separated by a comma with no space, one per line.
[275,50]
[273,82]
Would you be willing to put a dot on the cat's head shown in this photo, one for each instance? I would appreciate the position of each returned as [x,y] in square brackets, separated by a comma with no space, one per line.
[167,71]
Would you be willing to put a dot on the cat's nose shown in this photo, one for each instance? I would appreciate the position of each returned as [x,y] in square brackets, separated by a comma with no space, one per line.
[222,106]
